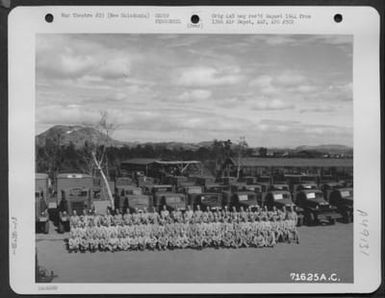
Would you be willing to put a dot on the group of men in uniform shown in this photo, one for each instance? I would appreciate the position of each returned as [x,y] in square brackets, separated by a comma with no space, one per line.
[172,230]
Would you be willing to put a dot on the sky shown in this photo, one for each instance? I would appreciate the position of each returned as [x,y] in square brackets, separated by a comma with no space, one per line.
[274,90]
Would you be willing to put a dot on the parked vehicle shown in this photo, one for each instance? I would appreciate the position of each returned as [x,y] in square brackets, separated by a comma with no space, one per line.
[122,181]
[203,180]
[41,213]
[328,187]
[246,199]
[172,201]
[137,202]
[265,182]
[73,199]
[342,198]
[216,187]
[152,189]
[279,186]
[208,201]
[316,209]
[192,191]
[280,199]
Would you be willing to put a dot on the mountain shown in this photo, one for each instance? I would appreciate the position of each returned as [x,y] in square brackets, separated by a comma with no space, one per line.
[329,148]
[75,134]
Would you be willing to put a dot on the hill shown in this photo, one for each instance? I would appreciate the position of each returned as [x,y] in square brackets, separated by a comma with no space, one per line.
[75,134]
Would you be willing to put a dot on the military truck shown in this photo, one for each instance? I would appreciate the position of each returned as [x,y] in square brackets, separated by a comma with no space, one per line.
[152,189]
[191,191]
[122,181]
[246,199]
[215,187]
[282,198]
[122,191]
[279,186]
[203,180]
[248,179]
[172,201]
[73,199]
[208,201]
[41,213]
[328,187]
[279,199]
[226,180]
[316,209]
[137,202]
[265,182]
[177,181]
[342,198]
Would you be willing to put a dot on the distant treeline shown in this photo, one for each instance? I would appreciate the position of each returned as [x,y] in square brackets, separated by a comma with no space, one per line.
[53,158]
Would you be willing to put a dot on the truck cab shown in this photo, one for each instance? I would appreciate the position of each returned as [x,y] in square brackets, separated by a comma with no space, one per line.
[73,199]
[210,201]
[246,199]
[316,209]
[136,202]
[342,198]
[172,201]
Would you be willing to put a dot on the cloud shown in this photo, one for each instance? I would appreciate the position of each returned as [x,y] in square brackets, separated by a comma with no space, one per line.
[203,76]
[274,104]
[196,94]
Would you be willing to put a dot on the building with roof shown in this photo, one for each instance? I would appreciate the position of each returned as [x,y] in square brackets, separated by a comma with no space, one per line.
[258,166]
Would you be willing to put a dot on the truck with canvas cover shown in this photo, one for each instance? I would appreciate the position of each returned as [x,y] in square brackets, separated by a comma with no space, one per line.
[41,213]
[172,201]
[136,203]
[73,201]
[342,198]
[208,201]
[316,209]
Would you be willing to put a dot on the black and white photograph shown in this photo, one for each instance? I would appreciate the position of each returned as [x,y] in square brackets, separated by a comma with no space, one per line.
[194,158]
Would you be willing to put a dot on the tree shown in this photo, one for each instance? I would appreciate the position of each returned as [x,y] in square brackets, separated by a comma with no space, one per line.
[262,152]
[241,147]
[95,150]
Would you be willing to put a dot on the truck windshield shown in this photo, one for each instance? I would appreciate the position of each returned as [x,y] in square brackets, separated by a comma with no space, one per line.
[194,190]
[209,198]
[174,200]
[139,201]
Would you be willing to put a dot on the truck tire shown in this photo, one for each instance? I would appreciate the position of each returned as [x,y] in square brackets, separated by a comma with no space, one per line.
[46,227]
[60,227]
[332,221]
[310,218]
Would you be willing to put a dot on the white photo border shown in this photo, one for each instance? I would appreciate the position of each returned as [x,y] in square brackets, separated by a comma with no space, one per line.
[361,22]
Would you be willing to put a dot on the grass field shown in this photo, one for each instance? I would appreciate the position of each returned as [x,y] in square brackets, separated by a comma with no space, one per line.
[323,249]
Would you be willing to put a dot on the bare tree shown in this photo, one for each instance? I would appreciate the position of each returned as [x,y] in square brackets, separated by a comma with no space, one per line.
[95,150]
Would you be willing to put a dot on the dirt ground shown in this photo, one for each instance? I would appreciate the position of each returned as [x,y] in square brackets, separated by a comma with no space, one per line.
[323,249]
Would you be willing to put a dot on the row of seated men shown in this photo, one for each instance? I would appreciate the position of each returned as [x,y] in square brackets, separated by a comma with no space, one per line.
[175,235]
[188,216]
